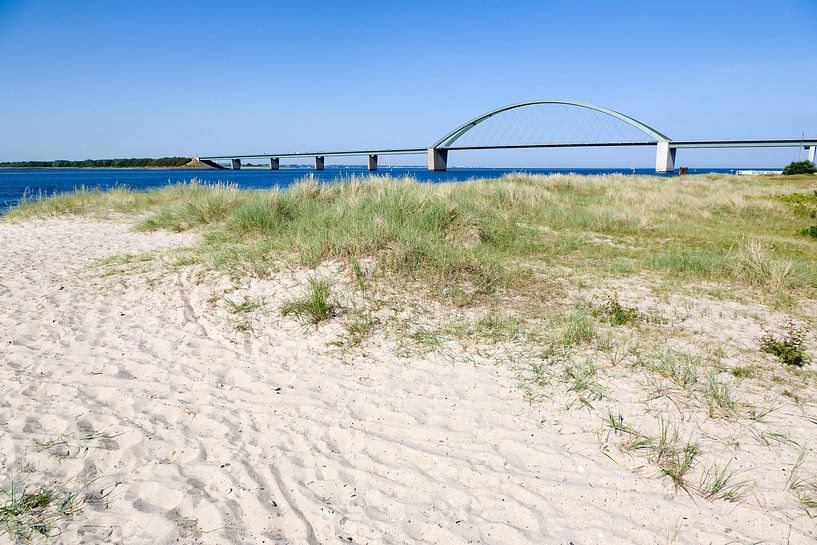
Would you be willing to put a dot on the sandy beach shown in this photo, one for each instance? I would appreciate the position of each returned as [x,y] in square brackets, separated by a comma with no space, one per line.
[191,431]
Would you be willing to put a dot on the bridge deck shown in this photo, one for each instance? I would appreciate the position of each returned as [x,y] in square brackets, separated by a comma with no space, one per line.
[405,151]
[758,143]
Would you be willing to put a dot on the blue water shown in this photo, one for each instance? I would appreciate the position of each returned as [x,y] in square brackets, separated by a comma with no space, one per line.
[14,183]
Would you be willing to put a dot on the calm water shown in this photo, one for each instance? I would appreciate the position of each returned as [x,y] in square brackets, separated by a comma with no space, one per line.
[16,182]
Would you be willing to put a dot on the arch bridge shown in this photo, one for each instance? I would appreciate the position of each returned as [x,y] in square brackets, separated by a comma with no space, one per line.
[550,123]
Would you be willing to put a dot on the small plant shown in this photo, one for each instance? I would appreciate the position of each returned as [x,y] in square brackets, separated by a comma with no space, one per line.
[246,306]
[680,368]
[358,274]
[637,442]
[719,398]
[757,414]
[803,486]
[358,327]
[799,167]
[768,439]
[496,327]
[558,367]
[428,339]
[791,395]
[673,460]
[77,444]
[244,326]
[617,313]
[678,463]
[789,348]
[578,330]
[742,372]
[616,423]
[28,511]
[809,232]
[580,379]
[719,483]
[664,443]
[315,306]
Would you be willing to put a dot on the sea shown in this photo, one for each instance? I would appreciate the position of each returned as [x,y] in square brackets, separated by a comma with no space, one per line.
[17,182]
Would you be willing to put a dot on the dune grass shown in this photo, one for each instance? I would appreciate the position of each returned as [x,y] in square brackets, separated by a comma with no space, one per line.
[315,305]
[489,234]
[28,512]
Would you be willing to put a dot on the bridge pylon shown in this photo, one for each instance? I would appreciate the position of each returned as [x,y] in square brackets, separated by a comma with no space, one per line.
[664,157]
[437,159]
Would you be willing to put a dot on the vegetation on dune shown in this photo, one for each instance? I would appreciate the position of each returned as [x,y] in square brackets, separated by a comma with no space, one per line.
[315,305]
[790,348]
[800,167]
[473,238]
[810,232]
[28,512]
[137,162]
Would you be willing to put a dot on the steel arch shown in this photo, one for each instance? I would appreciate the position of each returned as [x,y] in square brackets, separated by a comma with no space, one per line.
[447,140]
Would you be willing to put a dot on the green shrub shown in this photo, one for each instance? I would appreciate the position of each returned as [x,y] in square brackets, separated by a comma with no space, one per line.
[788,348]
[810,232]
[618,313]
[800,167]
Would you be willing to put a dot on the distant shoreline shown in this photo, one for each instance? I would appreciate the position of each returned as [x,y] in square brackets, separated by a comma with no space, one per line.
[109,168]
[122,162]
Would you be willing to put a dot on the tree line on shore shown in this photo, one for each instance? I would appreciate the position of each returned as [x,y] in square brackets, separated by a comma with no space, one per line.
[101,163]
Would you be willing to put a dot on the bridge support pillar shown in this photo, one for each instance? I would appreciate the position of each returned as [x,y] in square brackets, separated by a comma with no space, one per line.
[372,162]
[235,164]
[664,157]
[437,159]
[274,163]
[811,153]
[319,162]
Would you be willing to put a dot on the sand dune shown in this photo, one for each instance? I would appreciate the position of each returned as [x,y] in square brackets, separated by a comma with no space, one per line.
[211,435]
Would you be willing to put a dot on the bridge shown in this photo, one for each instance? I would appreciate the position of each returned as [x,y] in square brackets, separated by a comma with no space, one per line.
[537,124]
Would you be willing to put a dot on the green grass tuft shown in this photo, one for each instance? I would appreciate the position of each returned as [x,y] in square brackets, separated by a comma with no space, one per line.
[719,398]
[497,327]
[678,367]
[315,306]
[358,326]
[28,511]
[719,483]
[579,329]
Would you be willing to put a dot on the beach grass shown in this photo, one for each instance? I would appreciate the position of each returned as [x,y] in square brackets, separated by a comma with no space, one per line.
[471,239]
[315,305]
[29,512]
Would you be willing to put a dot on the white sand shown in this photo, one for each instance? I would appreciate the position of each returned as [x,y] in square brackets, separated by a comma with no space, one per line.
[234,438]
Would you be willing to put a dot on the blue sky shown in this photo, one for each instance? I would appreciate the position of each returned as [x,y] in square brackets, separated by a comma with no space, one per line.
[105,79]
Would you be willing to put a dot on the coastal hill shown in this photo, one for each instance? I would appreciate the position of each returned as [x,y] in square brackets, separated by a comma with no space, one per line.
[142,162]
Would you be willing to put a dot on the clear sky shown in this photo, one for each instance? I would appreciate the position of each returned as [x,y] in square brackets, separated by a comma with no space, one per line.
[100,79]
